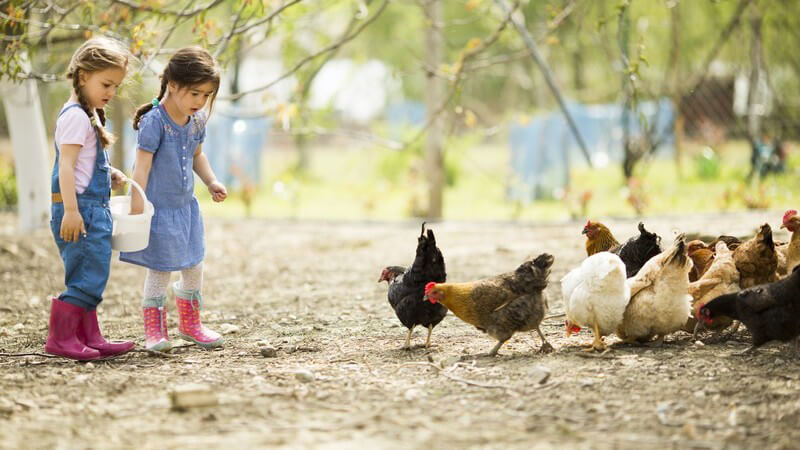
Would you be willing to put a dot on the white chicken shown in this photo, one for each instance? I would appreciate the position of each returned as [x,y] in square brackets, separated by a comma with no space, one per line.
[595,295]
[789,253]
[721,278]
[660,302]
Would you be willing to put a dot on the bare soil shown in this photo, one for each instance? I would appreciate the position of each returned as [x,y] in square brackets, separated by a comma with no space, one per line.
[340,377]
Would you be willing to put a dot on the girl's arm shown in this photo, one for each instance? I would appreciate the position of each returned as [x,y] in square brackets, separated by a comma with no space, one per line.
[141,172]
[72,225]
[204,171]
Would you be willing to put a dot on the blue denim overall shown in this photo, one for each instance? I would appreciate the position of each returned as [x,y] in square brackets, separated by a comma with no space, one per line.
[87,261]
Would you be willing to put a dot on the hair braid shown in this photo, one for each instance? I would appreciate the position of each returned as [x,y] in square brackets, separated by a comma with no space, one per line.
[148,106]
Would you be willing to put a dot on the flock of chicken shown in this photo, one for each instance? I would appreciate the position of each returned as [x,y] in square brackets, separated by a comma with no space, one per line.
[635,290]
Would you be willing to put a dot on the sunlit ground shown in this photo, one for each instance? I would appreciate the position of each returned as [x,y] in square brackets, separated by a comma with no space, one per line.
[375,184]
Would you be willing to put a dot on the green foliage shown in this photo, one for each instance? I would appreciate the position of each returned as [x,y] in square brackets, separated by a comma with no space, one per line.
[708,164]
[8,187]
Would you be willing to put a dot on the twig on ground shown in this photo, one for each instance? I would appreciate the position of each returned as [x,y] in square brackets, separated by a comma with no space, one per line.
[44,355]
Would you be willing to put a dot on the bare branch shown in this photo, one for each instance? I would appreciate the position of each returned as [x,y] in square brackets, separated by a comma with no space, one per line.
[269,18]
[227,38]
[183,13]
[311,57]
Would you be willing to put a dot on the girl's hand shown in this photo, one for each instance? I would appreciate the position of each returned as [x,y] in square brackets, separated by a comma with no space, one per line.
[72,226]
[218,191]
[118,179]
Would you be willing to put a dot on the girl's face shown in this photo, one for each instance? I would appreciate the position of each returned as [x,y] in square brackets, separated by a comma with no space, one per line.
[191,99]
[100,87]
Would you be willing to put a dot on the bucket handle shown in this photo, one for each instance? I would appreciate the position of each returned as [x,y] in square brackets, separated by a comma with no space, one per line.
[138,188]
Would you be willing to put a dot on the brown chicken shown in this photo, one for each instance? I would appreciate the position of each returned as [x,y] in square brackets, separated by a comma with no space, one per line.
[721,278]
[502,305]
[598,238]
[701,256]
[756,259]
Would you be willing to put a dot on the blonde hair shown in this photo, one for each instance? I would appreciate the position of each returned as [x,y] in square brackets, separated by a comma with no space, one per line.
[95,55]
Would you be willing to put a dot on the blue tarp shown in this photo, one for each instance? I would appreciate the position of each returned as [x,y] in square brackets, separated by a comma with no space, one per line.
[543,149]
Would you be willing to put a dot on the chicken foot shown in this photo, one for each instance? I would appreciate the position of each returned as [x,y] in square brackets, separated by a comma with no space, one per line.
[546,347]
[598,343]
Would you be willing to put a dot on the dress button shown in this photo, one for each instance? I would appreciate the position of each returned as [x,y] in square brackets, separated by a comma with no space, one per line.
[184,147]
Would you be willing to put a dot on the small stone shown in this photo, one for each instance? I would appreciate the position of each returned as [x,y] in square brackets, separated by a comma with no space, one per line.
[89,365]
[318,327]
[268,352]
[305,376]
[587,382]
[413,394]
[284,321]
[700,394]
[699,344]
[191,396]
[540,374]
[34,301]
[18,327]
[228,328]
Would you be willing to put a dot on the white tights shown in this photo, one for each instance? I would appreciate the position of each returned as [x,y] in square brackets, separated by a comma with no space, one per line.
[156,282]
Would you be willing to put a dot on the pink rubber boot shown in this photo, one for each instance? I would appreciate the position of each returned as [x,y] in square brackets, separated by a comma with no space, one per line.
[62,339]
[155,325]
[89,333]
[189,304]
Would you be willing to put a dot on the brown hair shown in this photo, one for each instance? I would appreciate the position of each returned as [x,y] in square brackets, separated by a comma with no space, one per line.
[188,67]
[95,55]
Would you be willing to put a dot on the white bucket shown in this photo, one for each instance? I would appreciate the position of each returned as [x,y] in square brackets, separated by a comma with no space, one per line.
[131,233]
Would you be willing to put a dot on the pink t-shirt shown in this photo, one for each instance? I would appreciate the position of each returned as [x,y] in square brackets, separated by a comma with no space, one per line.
[73,127]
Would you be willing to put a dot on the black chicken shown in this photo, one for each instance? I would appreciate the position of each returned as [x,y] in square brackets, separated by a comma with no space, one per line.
[407,287]
[770,311]
[638,250]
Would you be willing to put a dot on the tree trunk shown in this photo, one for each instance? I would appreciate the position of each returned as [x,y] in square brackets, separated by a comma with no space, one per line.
[753,102]
[31,150]
[674,56]
[434,91]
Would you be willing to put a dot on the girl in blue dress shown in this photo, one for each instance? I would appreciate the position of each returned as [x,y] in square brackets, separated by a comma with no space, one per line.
[171,133]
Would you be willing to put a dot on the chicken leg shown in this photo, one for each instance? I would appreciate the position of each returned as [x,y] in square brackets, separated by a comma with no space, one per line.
[493,352]
[428,341]
[408,338]
[546,347]
[598,343]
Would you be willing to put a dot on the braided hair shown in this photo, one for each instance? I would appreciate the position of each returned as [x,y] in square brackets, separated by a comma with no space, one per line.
[188,67]
[95,55]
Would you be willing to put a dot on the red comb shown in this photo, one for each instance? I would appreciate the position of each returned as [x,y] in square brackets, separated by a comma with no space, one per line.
[789,214]
[588,222]
[429,287]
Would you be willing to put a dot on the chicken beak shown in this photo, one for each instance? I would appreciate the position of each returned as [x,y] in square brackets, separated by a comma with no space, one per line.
[783,225]
[426,298]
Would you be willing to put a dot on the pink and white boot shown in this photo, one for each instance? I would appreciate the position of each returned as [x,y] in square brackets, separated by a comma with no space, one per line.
[155,325]
[189,303]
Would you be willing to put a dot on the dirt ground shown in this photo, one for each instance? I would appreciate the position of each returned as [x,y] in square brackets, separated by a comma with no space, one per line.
[340,377]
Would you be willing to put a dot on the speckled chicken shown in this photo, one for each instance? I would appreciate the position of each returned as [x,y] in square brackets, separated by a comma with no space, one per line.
[502,305]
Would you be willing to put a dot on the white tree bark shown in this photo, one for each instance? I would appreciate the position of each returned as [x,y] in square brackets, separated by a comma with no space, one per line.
[29,142]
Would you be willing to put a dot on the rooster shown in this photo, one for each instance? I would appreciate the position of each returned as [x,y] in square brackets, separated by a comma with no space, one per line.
[659,302]
[407,287]
[770,311]
[595,295]
[502,305]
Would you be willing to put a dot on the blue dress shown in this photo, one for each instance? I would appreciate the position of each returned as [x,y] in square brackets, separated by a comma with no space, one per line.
[176,230]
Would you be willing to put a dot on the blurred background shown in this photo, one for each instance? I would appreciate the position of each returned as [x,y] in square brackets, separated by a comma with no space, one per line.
[466,109]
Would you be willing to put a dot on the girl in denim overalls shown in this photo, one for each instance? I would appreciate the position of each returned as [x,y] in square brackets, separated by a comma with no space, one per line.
[171,133]
[81,186]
